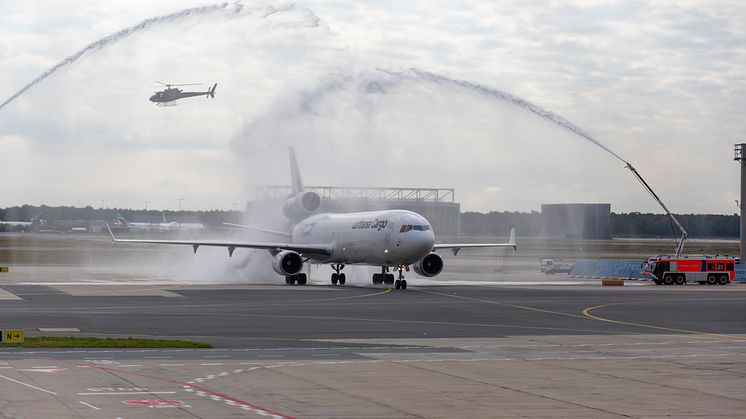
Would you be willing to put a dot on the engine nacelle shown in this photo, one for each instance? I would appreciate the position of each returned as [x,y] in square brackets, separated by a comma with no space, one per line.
[431,265]
[287,263]
[301,205]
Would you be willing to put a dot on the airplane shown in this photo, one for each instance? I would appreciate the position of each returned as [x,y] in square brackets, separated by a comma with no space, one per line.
[35,221]
[120,221]
[168,96]
[387,239]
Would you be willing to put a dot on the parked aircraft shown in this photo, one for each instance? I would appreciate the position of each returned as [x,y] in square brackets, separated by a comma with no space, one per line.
[121,222]
[35,221]
[391,239]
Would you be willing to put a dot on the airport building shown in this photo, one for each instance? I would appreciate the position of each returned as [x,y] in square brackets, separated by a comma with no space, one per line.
[576,221]
[435,204]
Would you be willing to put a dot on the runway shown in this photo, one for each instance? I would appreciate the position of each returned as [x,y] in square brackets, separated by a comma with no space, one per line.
[362,351]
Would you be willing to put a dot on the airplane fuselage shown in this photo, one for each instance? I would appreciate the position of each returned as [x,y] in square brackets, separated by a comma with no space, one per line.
[385,238]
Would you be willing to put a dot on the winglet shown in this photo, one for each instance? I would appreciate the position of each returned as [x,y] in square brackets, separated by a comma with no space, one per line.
[297,181]
[512,239]
[211,92]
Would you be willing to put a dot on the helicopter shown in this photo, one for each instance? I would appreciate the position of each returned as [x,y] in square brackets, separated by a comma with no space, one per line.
[172,94]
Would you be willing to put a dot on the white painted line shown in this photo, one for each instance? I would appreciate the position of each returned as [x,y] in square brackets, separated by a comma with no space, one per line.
[216,356]
[126,392]
[90,405]
[171,365]
[28,385]
[213,364]
[59,329]
[6,368]
[52,366]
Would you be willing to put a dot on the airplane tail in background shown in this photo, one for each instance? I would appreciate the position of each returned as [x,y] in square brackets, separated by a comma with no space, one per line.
[211,92]
[297,181]
[120,220]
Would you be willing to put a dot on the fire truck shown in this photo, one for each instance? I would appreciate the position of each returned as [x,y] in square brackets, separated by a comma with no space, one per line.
[678,270]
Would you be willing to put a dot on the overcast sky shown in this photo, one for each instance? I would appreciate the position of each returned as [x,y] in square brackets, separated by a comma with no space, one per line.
[377,93]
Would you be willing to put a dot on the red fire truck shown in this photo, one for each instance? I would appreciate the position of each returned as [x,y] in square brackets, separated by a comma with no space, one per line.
[669,270]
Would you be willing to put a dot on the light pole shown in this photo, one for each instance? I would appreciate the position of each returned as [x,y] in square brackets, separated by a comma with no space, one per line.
[180,199]
[146,205]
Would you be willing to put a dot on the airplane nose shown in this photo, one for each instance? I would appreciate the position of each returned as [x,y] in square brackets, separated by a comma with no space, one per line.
[152,98]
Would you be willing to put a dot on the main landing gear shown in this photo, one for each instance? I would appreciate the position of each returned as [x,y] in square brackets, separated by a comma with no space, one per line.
[299,279]
[338,277]
[388,278]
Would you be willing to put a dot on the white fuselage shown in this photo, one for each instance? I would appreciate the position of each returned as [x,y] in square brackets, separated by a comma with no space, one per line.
[385,238]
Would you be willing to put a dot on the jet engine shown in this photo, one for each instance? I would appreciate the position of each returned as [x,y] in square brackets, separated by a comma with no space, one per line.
[301,205]
[287,263]
[431,265]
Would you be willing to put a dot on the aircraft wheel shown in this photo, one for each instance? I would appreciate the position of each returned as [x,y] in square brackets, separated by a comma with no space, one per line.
[342,279]
[335,278]
[397,284]
[377,279]
[668,279]
[390,279]
[680,279]
[289,280]
[403,284]
[711,280]
[723,280]
[302,279]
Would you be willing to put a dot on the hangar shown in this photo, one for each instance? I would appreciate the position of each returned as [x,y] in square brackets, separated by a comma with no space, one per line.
[436,204]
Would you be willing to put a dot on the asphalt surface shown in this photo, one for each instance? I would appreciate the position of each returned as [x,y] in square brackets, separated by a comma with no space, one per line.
[362,351]
[257,317]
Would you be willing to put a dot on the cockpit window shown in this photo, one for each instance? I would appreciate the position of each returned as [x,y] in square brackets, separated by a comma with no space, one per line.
[408,227]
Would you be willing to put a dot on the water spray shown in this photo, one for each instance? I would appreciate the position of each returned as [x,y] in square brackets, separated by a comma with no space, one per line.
[550,116]
[234,9]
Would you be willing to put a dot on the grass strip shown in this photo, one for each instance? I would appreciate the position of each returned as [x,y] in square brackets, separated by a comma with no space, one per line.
[89,342]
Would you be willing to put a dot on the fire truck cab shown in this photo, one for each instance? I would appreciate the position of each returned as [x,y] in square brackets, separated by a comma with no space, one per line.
[670,270]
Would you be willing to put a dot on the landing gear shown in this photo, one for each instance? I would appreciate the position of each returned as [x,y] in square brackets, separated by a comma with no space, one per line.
[384,277]
[400,283]
[338,277]
[300,279]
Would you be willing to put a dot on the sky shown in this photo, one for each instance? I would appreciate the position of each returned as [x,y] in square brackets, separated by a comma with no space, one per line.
[374,93]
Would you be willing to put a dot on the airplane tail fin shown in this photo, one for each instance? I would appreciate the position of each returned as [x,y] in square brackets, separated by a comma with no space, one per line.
[120,220]
[211,92]
[512,239]
[297,181]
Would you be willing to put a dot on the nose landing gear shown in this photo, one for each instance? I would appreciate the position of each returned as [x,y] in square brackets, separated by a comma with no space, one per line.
[400,283]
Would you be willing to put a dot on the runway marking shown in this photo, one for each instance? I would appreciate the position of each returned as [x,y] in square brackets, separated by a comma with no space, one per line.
[28,385]
[120,393]
[90,405]
[587,312]
[203,391]
[265,304]
[426,322]
[501,304]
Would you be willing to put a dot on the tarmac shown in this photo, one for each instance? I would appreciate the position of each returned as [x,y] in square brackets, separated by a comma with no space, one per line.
[494,346]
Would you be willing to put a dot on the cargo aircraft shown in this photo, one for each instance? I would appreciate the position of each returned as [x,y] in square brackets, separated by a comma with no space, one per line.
[391,239]
[121,222]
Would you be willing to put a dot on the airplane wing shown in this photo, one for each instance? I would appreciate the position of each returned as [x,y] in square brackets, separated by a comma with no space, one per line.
[455,247]
[16,223]
[312,249]
[260,229]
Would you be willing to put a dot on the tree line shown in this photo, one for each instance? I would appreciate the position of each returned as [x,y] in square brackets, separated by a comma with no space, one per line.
[495,223]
